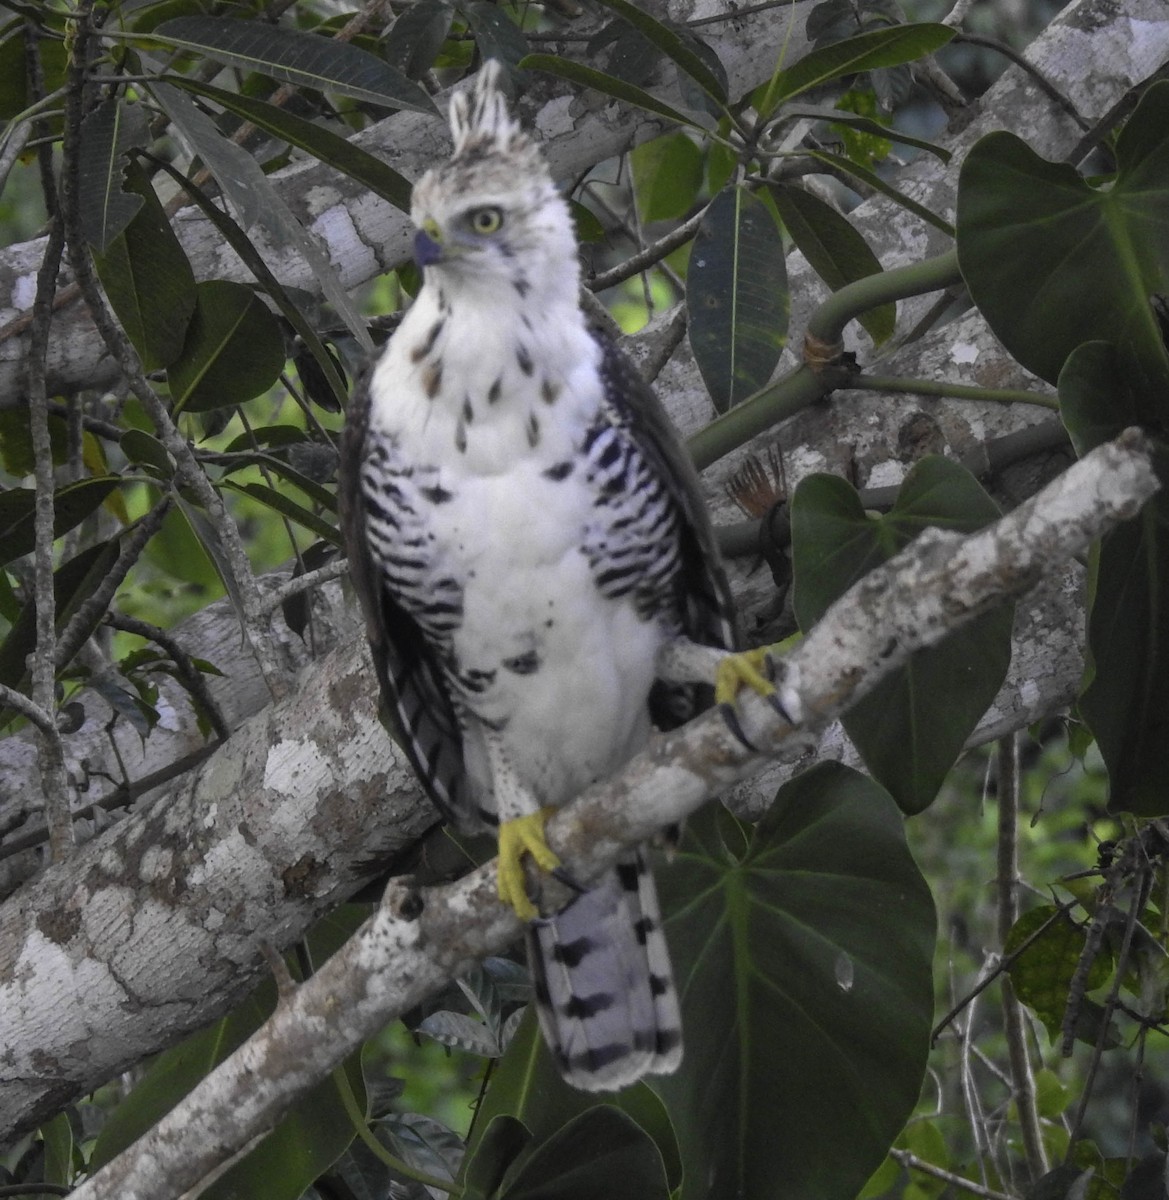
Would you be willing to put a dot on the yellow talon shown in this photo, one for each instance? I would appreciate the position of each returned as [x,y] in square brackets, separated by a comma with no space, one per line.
[737,671]
[517,837]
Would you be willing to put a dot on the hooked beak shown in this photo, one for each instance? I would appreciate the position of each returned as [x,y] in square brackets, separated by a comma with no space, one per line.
[428,245]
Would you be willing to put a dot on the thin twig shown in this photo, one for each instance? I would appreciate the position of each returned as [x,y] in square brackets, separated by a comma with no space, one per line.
[1022,1076]
[648,257]
[11,698]
[302,583]
[907,1159]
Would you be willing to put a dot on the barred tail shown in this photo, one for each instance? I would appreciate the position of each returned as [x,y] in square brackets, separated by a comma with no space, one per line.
[604,989]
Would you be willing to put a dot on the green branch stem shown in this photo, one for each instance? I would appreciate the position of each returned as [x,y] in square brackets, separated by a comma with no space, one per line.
[951,391]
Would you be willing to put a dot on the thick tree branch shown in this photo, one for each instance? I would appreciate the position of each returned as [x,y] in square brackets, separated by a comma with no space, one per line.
[419,940]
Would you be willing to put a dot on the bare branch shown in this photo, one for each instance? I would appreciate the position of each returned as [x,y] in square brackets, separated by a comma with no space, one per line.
[419,939]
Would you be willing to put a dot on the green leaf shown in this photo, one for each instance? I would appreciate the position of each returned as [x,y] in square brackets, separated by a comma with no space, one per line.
[148,280]
[108,133]
[416,37]
[872,180]
[527,1087]
[503,1142]
[736,293]
[1031,233]
[598,1155]
[287,507]
[607,85]
[913,725]
[234,349]
[667,176]
[57,1136]
[1125,700]
[323,144]
[673,46]
[804,967]
[496,34]
[296,57]
[836,250]
[72,503]
[141,447]
[865,52]
[866,125]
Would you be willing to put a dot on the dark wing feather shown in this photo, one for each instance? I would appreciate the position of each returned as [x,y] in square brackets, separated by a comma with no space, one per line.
[708,613]
[417,701]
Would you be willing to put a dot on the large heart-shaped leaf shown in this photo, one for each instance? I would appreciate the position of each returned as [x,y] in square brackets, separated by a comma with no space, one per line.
[803,956]
[1032,233]
[737,296]
[1126,695]
[914,724]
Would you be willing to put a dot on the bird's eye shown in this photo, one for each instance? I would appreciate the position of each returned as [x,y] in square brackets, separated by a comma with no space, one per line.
[486,220]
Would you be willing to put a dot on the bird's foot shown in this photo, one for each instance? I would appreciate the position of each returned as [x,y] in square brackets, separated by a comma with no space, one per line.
[520,836]
[755,669]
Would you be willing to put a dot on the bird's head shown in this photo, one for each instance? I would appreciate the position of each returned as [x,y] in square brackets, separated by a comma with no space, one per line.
[491,214]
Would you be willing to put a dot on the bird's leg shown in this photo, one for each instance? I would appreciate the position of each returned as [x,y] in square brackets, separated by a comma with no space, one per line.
[684,661]
[521,830]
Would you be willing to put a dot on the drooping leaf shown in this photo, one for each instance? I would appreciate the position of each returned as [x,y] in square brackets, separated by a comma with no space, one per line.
[72,503]
[607,85]
[672,45]
[257,201]
[148,280]
[1031,232]
[834,247]
[867,51]
[802,953]
[503,1141]
[1125,700]
[496,34]
[867,125]
[416,37]
[321,143]
[297,57]
[141,447]
[108,133]
[736,293]
[667,175]
[234,349]
[289,508]
[911,728]
[872,180]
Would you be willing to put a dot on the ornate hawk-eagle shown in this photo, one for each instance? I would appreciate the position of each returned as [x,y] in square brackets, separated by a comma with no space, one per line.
[526,534]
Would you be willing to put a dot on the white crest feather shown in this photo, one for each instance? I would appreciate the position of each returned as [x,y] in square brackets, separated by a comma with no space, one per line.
[480,115]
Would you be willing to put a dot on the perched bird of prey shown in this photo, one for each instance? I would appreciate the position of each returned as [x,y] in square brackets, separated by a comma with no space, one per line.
[526,534]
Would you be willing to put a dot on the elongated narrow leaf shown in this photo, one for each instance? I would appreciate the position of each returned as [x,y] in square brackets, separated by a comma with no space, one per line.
[607,85]
[287,507]
[802,953]
[416,37]
[323,144]
[148,279]
[862,124]
[234,349]
[736,293]
[1126,694]
[238,240]
[72,503]
[293,56]
[911,728]
[834,247]
[496,34]
[865,52]
[672,45]
[108,132]
[846,166]
[256,200]
[1031,232]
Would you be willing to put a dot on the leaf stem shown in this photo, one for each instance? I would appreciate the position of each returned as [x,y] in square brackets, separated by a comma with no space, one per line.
[942,387]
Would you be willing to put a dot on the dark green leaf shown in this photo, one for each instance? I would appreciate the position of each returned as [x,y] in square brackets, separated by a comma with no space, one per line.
[108,133]
[865,52]
[57,1135]
[667,175]
[872,180]
[804,966]
[836,250]
[503,1142]
[867,125]
[598,1155]
[911,728]
[148,280]
[141,447]
[496,34]
[323,144]
[273,499]
[736,292]
[72,503]
[296,57]
[605,84]
[1125,701]
[416,37]
[673,46]
[14,97]
[234,349]
[1031,232]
